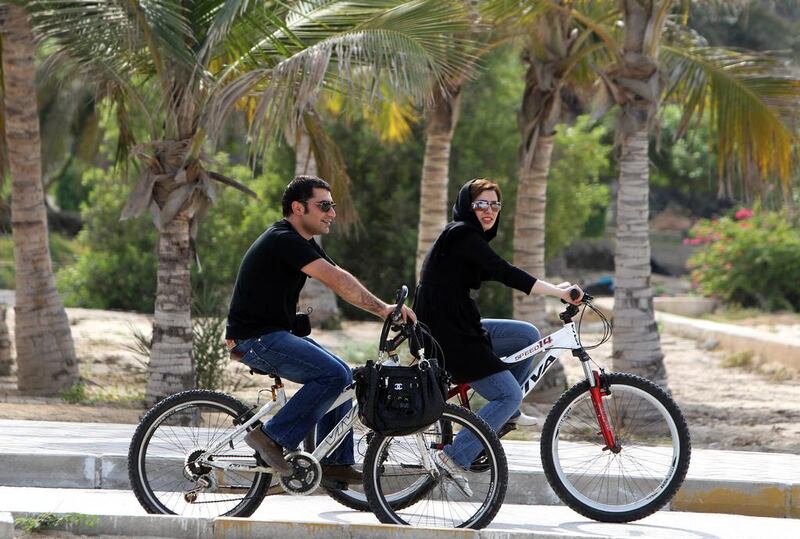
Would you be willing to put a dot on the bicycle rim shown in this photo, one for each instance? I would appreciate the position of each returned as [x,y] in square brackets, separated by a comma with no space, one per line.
[168,471]
[624,482]
[398,470]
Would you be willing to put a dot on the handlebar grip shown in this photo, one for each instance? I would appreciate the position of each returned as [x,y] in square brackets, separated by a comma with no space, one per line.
[573,294]
[402,294]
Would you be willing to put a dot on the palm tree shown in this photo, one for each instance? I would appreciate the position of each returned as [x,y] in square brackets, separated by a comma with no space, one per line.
[46,361]
[198,60]
[749,105]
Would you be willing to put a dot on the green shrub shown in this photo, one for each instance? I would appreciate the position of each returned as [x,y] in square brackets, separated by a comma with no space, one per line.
[117,263]
[63,252]
[750,260]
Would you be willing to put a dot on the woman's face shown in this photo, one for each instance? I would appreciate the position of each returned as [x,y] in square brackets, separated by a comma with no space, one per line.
[486,208]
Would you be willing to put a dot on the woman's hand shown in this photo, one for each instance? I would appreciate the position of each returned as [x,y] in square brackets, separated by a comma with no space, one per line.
[568,288]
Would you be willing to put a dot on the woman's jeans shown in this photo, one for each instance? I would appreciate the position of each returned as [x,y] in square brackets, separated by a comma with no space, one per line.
[323,376]
[502,389]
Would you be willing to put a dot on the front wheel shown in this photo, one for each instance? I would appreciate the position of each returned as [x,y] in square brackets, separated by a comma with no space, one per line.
[404,467]
[640,474]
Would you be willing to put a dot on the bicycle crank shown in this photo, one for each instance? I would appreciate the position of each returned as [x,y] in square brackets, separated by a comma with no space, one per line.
[306,475]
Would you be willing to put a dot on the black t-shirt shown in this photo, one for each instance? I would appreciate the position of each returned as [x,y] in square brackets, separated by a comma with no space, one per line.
[269,282]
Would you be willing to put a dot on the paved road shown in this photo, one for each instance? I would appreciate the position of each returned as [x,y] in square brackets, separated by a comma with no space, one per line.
[544,520]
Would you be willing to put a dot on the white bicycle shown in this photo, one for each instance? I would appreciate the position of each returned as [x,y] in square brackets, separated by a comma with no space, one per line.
[188,457]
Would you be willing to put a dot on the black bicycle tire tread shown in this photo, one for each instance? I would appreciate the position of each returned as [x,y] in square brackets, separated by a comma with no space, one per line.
[156,411]
[497,447]
[622,516]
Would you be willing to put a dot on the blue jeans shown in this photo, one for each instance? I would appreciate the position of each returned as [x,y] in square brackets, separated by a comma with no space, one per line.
[323,376]
[501,389]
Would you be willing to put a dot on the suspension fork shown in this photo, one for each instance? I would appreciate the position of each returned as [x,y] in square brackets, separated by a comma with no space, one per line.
[597,390]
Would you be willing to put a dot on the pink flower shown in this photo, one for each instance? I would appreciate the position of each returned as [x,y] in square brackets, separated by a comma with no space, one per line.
[742,214]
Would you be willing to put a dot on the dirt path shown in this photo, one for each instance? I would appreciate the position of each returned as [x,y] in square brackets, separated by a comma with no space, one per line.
[726,407]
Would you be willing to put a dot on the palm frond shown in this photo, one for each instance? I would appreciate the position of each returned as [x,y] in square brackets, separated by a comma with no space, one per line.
[752,105]
[404,47]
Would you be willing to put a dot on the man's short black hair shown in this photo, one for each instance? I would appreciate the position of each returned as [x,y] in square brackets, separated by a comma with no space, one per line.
[300,189]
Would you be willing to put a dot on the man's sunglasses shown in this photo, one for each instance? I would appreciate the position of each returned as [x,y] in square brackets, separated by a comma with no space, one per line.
[325,205]
[484,205]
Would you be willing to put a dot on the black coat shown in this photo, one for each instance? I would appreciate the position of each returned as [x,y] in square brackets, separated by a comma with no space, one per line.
[459,261]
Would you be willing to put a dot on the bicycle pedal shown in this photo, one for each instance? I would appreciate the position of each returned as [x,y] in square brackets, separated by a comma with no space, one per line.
[505,429]
[335,485]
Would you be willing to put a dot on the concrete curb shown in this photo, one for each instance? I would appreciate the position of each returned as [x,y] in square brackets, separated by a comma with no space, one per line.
[774,348]
[172,527]
[6,526]
[755,497]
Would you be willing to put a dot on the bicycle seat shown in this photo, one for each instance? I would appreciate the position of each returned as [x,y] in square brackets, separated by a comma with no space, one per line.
[254,370]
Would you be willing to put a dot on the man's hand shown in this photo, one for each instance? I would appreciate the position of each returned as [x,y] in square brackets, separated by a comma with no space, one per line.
[406,313]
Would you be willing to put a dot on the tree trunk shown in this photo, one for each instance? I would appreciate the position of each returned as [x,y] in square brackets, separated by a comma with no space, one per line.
[540,111]
[529,219]
[314,294]
[637,346]
[442,120]
[171,360]
[46,360]
[6,360]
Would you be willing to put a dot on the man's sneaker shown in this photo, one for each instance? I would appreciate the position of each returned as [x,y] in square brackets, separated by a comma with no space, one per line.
[452,470]
[270,452]
[341,473]
[524,420]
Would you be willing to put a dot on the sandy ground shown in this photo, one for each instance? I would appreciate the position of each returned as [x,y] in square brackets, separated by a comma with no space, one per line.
[727,407]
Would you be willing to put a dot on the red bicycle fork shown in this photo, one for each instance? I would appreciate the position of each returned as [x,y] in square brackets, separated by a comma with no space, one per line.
[597,392]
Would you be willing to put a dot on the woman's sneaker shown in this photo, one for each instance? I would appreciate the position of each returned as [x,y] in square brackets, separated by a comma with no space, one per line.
[453,471]
[524,420]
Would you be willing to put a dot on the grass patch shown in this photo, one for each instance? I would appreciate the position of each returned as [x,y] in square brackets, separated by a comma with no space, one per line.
[358,353]
[46,521]
[741,360]
[81,393]
[751,363]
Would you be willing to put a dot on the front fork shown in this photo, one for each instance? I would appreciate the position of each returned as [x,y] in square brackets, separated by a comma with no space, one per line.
[597,390]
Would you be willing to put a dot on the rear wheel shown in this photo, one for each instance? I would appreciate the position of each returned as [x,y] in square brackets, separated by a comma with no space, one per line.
[634,479]
[164,466]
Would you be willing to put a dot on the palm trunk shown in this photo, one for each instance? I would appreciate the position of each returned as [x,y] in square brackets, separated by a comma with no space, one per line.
[314,294]
[442,120]
[529,228]
[6,360]
[637,345]
[46,360]
[171,360]
[537,119]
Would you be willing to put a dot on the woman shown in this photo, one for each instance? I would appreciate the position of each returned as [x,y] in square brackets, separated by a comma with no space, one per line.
[459,261]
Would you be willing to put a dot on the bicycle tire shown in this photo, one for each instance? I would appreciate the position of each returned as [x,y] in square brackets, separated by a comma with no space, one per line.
[164,469]
[425,487]
[633,482]
[354,497]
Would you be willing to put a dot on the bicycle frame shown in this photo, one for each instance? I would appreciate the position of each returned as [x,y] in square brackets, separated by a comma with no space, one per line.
[565,338]
[327,446]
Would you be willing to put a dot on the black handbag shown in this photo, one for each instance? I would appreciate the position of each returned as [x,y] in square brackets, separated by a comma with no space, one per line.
[396,401]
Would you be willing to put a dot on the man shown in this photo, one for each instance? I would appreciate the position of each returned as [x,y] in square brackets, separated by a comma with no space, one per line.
[260,320]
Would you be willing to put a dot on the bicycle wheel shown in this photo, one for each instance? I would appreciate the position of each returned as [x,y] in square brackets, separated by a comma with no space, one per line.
[395,465]
[638,477]
[162,459]
[353,496]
